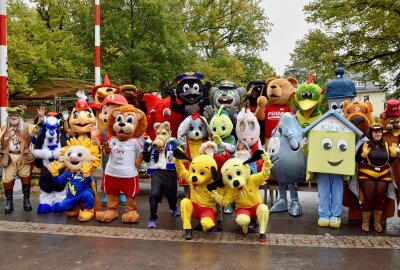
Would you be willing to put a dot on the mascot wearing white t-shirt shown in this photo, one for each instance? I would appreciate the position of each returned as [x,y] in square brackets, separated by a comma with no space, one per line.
[125,124]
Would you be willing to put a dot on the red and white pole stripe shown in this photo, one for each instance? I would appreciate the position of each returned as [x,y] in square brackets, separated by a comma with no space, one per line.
[3,63]
[97,76]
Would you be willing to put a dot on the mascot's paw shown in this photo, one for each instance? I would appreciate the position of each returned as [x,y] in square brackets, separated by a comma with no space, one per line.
[44,208]
[280,206]
[86,214]
[122,199]
[262,101]
[107,216]
[72,213]
[56,207]
[334,222]
[188,234]
[207,223]
[131,217]
[323,222]
[295,209]
[262,238]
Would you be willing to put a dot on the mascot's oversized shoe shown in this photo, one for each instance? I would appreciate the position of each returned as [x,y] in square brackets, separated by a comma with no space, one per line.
[280,206]
[131,216]
[72,213]
[112,212]
[295,209]
[86,214]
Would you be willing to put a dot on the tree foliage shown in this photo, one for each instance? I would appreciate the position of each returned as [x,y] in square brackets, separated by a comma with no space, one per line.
[363,35]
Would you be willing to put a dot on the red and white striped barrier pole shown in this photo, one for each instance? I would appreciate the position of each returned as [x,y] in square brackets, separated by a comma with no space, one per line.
[3,63]
[97,76]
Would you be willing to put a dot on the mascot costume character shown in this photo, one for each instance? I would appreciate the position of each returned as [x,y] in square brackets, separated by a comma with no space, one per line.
[221,129]
[289,162]
[331,152]
[79,158]
[125,124]
[47,149]
[279,93]
[16,156]
[159,154]
[308,98]
[201,204]
[191,94]
[243,190]
[134,96]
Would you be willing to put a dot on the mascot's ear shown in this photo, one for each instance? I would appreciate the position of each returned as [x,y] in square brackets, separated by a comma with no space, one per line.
[115,112]
[256,156]
[217,183]
[268,81]
[293,81]
[179,154]
[240,90]
[166,125]
[156,125]
[345,104]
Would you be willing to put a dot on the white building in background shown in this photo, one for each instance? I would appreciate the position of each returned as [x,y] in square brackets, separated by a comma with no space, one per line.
[372,92]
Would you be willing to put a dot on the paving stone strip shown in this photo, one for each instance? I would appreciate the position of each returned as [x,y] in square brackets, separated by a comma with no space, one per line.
[275,239]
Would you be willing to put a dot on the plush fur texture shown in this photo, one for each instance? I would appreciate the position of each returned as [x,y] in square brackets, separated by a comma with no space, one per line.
[163,133]
[136,128]
[359,114]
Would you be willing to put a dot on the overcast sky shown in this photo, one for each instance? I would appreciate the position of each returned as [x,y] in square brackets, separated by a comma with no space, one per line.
[289,25]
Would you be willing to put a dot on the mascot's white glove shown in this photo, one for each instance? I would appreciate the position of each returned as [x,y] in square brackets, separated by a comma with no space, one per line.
[290,135]
[65,115]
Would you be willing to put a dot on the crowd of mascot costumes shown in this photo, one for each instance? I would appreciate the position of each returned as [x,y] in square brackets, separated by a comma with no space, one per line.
[214,145]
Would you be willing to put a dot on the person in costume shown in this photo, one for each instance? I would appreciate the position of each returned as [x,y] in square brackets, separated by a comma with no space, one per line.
[331,151]
[159,153]
[48,144]
[308,98]
[242,188]
[289,163]
[110,102]
[374,175]
[79,158]
[191,94]
[125,124]
[243,153]
[16,157]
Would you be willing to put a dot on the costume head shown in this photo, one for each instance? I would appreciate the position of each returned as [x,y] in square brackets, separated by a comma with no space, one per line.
[126,122]
[194,127]
[390,118]
[209,148]
[221,124]
[359,114]
[247,127]
[132,94]
[163,134]
[235,173]
[78,152]
[254,90]
[111,102]
[14,116]
[200,170]
[331,143]
[308,97]
[50,126]
[285,153]
[338,90]
[82,118]
[189,87]
[100,92]
[279,91]
[227,94]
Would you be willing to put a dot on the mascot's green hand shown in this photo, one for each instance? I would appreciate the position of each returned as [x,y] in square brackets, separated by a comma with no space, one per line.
[217,139]
[53,168]
[267,160]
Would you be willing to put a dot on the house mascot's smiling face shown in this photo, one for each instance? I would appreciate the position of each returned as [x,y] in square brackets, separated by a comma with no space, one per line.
[235,173]
[82,118]
[78,152]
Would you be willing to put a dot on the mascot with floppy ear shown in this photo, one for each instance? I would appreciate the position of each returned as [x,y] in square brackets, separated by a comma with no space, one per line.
[125,124]
[243,190]
[201,204]
[79,158]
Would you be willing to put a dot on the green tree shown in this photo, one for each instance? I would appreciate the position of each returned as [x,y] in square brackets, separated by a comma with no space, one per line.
[364,35]
[37,51]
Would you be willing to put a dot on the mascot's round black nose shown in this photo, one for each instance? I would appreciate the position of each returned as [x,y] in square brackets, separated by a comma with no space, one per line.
[356,120]
[121,124]
[236,183]
[197,134]
[194,179]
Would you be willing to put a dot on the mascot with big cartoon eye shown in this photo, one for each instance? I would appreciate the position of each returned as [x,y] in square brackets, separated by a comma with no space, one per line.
[243,190]
[221,128]
[78,158]
[125,124]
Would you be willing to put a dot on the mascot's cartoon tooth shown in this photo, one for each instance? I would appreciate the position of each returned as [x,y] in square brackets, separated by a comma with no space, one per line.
[289,162]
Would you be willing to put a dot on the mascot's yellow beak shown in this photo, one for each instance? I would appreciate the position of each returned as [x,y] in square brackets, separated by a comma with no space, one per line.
[307,104]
